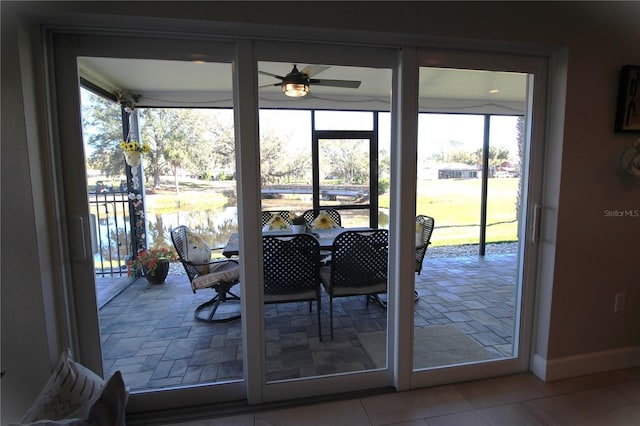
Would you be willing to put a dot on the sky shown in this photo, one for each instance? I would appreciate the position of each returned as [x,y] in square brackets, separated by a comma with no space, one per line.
[435,133]
[435,130]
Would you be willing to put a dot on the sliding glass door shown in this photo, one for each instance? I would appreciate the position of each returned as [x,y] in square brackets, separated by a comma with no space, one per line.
[318,154]
[256,149]
[474,179]
[116,209]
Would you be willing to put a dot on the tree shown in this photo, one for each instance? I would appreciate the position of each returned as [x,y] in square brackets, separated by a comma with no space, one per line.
[521,147]
[278,165]
[180,140]
[196,140]
[221,132]
[102,128]
[496,156]
[348,159]
[384,163]
[446,154]
[465,157]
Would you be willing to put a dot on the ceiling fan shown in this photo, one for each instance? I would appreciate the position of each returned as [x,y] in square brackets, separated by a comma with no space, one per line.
[296,83]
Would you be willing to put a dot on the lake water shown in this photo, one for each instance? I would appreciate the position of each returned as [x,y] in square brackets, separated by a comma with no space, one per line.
[215,226]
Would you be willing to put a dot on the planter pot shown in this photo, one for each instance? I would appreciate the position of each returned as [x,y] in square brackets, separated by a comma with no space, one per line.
[158,275]
[299,229]
[132,158]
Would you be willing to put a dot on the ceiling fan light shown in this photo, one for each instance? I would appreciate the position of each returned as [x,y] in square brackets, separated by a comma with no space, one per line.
[295,90]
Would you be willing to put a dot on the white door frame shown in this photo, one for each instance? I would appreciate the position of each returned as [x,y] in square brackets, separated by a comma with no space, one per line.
[245,53]
[535,125]
[253,321]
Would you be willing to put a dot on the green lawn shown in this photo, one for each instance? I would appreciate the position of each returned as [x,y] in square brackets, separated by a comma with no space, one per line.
[455,206]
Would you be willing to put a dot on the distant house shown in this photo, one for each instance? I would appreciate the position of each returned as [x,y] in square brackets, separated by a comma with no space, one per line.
[459,171]
[508,168]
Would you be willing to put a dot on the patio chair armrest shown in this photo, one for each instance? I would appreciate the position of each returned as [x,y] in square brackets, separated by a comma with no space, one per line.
[211,262]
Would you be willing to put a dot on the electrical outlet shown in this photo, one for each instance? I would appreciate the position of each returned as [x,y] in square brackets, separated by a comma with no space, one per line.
[619,304]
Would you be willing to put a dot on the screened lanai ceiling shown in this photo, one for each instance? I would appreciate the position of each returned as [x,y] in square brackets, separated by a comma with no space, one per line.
[161,83]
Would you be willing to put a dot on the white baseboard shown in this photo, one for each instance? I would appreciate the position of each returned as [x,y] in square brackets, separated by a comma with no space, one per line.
[580,365]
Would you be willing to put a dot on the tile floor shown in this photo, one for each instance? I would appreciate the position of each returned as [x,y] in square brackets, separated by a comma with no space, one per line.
[604,399]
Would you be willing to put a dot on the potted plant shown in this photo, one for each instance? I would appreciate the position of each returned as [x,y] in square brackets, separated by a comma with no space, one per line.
[298,224]
[154,264]
[133,152]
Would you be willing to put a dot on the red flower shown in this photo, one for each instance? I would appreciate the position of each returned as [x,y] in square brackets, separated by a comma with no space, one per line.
[149,259]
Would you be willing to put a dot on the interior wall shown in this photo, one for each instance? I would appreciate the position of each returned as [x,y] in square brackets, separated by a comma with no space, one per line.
[595,255]
[25,344]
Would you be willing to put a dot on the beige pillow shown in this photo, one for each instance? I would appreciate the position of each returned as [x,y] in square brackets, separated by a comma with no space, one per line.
[67,394]
[108,409]
[197,251]
[277,223]
[323,221]
[419,229]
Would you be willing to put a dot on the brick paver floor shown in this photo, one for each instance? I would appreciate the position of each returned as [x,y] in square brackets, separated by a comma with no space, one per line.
[148,331]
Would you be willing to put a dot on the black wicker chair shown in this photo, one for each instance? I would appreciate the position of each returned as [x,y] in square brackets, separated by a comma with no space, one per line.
[222,275]
[359,264]
[311,215]
[291,270]
[424,229]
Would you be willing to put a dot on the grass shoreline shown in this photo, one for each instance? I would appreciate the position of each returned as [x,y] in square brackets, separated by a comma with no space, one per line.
[454,203]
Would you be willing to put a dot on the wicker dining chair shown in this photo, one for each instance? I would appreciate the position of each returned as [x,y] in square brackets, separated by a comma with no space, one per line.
[359,264]
[292,271]
[424,229]
[204,273]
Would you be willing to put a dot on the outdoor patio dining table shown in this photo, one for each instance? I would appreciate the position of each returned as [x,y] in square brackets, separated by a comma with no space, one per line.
[325,238]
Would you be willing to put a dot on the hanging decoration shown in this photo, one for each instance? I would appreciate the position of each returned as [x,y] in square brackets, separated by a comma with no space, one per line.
[132,149]
[630,160]
[133,152]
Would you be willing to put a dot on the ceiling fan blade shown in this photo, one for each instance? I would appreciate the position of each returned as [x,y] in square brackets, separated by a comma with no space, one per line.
[311,70]
[351,84]
[272,75]
[270,85]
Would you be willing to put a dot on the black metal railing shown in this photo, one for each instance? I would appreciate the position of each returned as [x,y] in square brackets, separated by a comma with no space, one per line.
[110,232]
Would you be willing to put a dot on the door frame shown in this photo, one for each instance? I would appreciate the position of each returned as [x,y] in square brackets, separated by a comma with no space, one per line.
[270,51]
[529,222]
[83,321]
[245,54]
[372,137]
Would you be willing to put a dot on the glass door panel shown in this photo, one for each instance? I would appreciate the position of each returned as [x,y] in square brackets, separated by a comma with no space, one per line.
[285,152]
[344,171]
[505,187]
[469,182]
[149,331]
[302,171]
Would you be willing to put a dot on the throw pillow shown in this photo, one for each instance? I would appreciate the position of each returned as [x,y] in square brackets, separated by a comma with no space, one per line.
[324,221]
[277,223]
[108,408]
[419,229]
[198,252]
[70,388]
